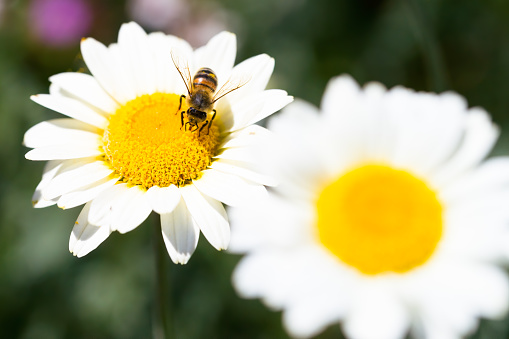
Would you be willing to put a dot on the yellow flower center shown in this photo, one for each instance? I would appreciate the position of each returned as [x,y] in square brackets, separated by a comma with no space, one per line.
[379,219]
[146,144]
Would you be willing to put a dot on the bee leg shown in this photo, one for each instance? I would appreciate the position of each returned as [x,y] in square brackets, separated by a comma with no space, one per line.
[202,127]
[191,126]
[182,119]
[210,122]
[180,103]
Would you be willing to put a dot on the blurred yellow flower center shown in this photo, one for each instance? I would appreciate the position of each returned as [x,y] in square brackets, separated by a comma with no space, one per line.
[146,144]
[379,219]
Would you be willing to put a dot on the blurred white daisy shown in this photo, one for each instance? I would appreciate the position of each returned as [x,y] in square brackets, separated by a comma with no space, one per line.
[122,150]
[386,218]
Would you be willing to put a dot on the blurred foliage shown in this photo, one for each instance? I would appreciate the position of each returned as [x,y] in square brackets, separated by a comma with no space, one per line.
[45,292]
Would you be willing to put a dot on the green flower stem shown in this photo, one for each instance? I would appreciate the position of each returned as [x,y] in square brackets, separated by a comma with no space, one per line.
[162,324]
[430,48]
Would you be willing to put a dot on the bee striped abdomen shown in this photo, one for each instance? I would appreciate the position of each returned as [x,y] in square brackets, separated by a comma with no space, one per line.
[205,77]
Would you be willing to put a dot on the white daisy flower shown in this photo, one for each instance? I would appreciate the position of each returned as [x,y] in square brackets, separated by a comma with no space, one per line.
[386,219]
[125,149]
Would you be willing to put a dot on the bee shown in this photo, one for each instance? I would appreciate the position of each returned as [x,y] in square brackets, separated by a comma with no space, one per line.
[201,97]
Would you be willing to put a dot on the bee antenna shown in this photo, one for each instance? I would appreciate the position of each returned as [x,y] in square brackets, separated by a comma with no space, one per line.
[176,62]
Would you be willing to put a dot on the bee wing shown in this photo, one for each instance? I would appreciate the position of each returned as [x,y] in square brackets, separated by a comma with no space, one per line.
[183,69]
[231,85]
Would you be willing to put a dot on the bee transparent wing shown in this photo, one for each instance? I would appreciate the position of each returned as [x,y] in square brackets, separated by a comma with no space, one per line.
[231,85]
[183,69]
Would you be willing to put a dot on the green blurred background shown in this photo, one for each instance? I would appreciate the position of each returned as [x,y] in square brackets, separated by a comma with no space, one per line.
[45,292]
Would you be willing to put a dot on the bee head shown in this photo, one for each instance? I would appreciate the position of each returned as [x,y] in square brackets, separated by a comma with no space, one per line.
[196,116]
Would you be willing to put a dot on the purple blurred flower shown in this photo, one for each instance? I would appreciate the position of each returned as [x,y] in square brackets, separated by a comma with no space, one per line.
[60,22]
[195,23]
[2,9]
[157,14]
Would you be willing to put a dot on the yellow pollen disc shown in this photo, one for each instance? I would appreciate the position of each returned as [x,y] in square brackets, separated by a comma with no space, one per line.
[145,144]
[379,219]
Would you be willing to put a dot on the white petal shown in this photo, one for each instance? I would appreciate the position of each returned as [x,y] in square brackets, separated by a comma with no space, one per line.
[297,119]
[59,132]
[97,58]
[306,319]
[300,133]
[258,106]
[321,296]
[304,114]
[446,138]
[437,330]
[125,84]
[228,188]
[275,222]
[86,237]
[442,116]
[102,206]
[163,199]
[133,42]
[62,152]
[180,233]
[168,79]
[380,136]
[218,55]
[476,226]
[466,292]
[357,120]
[250,276]
[251,153]
[244,170]
[85,88]
[107,65]
[304,133]
[340,96]
[253,135]
[493,303]
[76,174]
[50,170]
[484,289]
[290,277]
[236,154]
[72,108]
[492,174]
[210,216]
[130,210]
[385,315]
[86,193]
[256,71]
[480,136]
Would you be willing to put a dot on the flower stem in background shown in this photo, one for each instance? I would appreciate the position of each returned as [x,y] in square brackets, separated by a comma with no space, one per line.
[162,324]
[431,51]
